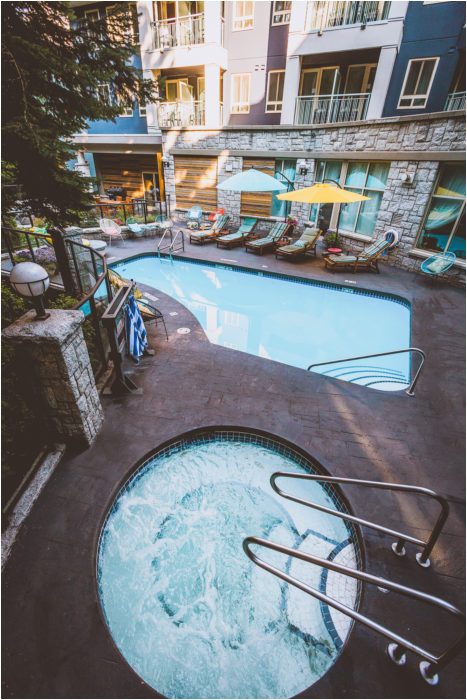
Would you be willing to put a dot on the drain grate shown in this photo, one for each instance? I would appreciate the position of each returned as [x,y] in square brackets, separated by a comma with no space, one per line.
[183,331]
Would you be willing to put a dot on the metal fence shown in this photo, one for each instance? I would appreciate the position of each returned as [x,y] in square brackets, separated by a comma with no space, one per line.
[329,109]
[456,100]
[181,31]
[323,14]
[145,209]
[182,113]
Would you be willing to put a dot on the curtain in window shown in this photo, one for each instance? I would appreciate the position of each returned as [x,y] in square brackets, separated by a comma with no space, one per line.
[442,212]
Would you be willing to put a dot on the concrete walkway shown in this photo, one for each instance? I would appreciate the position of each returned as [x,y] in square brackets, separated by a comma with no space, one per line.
[54,639]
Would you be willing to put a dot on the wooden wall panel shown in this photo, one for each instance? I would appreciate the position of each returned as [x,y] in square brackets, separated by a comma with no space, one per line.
[195,182]
[257,203]
[118,170]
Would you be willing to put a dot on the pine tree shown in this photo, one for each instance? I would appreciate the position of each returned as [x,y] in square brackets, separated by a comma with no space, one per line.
[52,68]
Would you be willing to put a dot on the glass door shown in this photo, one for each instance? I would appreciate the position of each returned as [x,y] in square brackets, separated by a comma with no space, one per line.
[150,186]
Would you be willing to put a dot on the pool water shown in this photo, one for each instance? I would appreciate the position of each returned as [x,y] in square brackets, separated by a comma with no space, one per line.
[287,320]
[192,615]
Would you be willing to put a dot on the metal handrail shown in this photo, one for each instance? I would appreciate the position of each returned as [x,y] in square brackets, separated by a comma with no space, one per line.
[410,391]
[159,245]
[172,249]
[397,547]
[397,649]
[173,240]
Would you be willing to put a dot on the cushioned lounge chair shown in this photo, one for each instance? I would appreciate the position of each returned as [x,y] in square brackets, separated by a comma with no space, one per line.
[366,259]
[270,241]
[210,234]
[149,312]
[306,242]
[237,238]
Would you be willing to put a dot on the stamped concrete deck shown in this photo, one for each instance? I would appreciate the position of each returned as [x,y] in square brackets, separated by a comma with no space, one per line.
[55,641]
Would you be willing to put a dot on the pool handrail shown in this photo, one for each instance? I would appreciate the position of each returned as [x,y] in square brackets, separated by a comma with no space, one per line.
[396,650]
[173,240]
[422,557]
[411,389]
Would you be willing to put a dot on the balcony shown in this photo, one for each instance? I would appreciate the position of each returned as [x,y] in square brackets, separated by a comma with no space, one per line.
[324,14]
[330,109]
[181,114]
[456,100]
[183,31]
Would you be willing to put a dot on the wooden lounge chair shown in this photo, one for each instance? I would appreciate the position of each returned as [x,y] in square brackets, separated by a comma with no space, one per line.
[306,242]
[149,312]
[270,241]
[237,238]
[210,234]
[366,259]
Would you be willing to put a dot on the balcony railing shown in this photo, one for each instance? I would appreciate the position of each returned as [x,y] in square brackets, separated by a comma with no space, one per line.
[184,31]
[324,14]
[181,113]
[456,100]
[329,109]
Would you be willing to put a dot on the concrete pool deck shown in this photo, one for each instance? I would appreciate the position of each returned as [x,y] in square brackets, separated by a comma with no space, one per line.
[55,643]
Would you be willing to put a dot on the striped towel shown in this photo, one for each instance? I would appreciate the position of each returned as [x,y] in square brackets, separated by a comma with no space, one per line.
[135,330]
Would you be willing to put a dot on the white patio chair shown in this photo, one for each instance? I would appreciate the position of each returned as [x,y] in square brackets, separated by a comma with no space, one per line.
[111,229]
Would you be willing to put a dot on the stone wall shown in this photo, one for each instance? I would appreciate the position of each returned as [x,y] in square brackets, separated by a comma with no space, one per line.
[56,353]
[397,140]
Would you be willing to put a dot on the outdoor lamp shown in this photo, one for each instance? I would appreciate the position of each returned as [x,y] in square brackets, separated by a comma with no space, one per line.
[303,170]
[31,281]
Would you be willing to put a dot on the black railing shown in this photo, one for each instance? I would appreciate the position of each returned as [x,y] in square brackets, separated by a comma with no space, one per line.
[146,209]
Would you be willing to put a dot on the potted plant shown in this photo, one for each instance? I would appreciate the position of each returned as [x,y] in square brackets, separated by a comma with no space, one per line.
[331,239]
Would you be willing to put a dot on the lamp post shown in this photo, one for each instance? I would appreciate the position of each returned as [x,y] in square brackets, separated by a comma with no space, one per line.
[31,281]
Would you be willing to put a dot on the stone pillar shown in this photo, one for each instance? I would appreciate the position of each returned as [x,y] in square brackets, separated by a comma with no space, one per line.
[386,61]
[212,94]
[299,210]
[231,201]
[291,88]
[55,353]
[169,178]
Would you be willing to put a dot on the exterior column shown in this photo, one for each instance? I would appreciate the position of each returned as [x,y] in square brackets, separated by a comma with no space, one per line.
[383,75]
[212,22]
[145,17]
[212,78]
[291,88]
[55,352]
[231,201]
[152,119]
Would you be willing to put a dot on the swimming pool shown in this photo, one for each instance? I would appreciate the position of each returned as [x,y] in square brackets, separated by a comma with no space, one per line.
[286,319]
[186,608]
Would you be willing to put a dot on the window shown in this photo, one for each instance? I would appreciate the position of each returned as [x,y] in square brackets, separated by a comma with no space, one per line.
[240,100]
[243,14]
[417,83]
[114,17]
[142,110]
[444,224]
[320,214]
[275,90]
[281,13]
[360,78]
[368,179]
[103,93]
[126,112]
[92,15]
[285,173]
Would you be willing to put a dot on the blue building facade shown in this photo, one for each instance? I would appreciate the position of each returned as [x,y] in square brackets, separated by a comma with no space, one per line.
[430,65]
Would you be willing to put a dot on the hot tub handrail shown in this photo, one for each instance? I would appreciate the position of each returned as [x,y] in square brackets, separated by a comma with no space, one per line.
[410,391]
[396,650]
[397,547]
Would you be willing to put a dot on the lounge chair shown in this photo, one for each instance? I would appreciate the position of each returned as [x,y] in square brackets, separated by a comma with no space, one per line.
[237,238]
[437,264]
[210,234]
[271,240]
[111,229]
[149,312]
[367,258]
[306,242]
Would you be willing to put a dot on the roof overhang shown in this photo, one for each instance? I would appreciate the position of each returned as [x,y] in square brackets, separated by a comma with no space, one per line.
[119,143]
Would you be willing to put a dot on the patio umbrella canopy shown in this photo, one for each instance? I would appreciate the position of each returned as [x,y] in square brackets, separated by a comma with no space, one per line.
[252,180]
[323,193]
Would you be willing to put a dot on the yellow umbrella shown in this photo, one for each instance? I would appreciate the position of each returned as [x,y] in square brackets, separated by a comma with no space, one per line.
[322,193]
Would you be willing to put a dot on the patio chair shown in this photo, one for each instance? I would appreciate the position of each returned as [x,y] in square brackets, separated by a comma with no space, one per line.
[237,238]
[305,243]
[210,234]
[437,264]
[366,259]
[193,217]
[136,227]
[111,229]
[149,312]
[214,215]
[270,241]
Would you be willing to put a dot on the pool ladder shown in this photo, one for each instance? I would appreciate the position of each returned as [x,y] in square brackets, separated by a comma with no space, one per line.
[431,663]
[379,375]
[179,236]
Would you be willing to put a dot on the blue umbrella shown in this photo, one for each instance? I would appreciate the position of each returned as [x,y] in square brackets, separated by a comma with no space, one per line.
[252,180]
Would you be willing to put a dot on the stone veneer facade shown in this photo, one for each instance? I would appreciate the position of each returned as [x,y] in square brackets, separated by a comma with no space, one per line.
[406,142]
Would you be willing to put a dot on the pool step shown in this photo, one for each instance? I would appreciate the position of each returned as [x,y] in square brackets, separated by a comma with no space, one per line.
[368,375]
